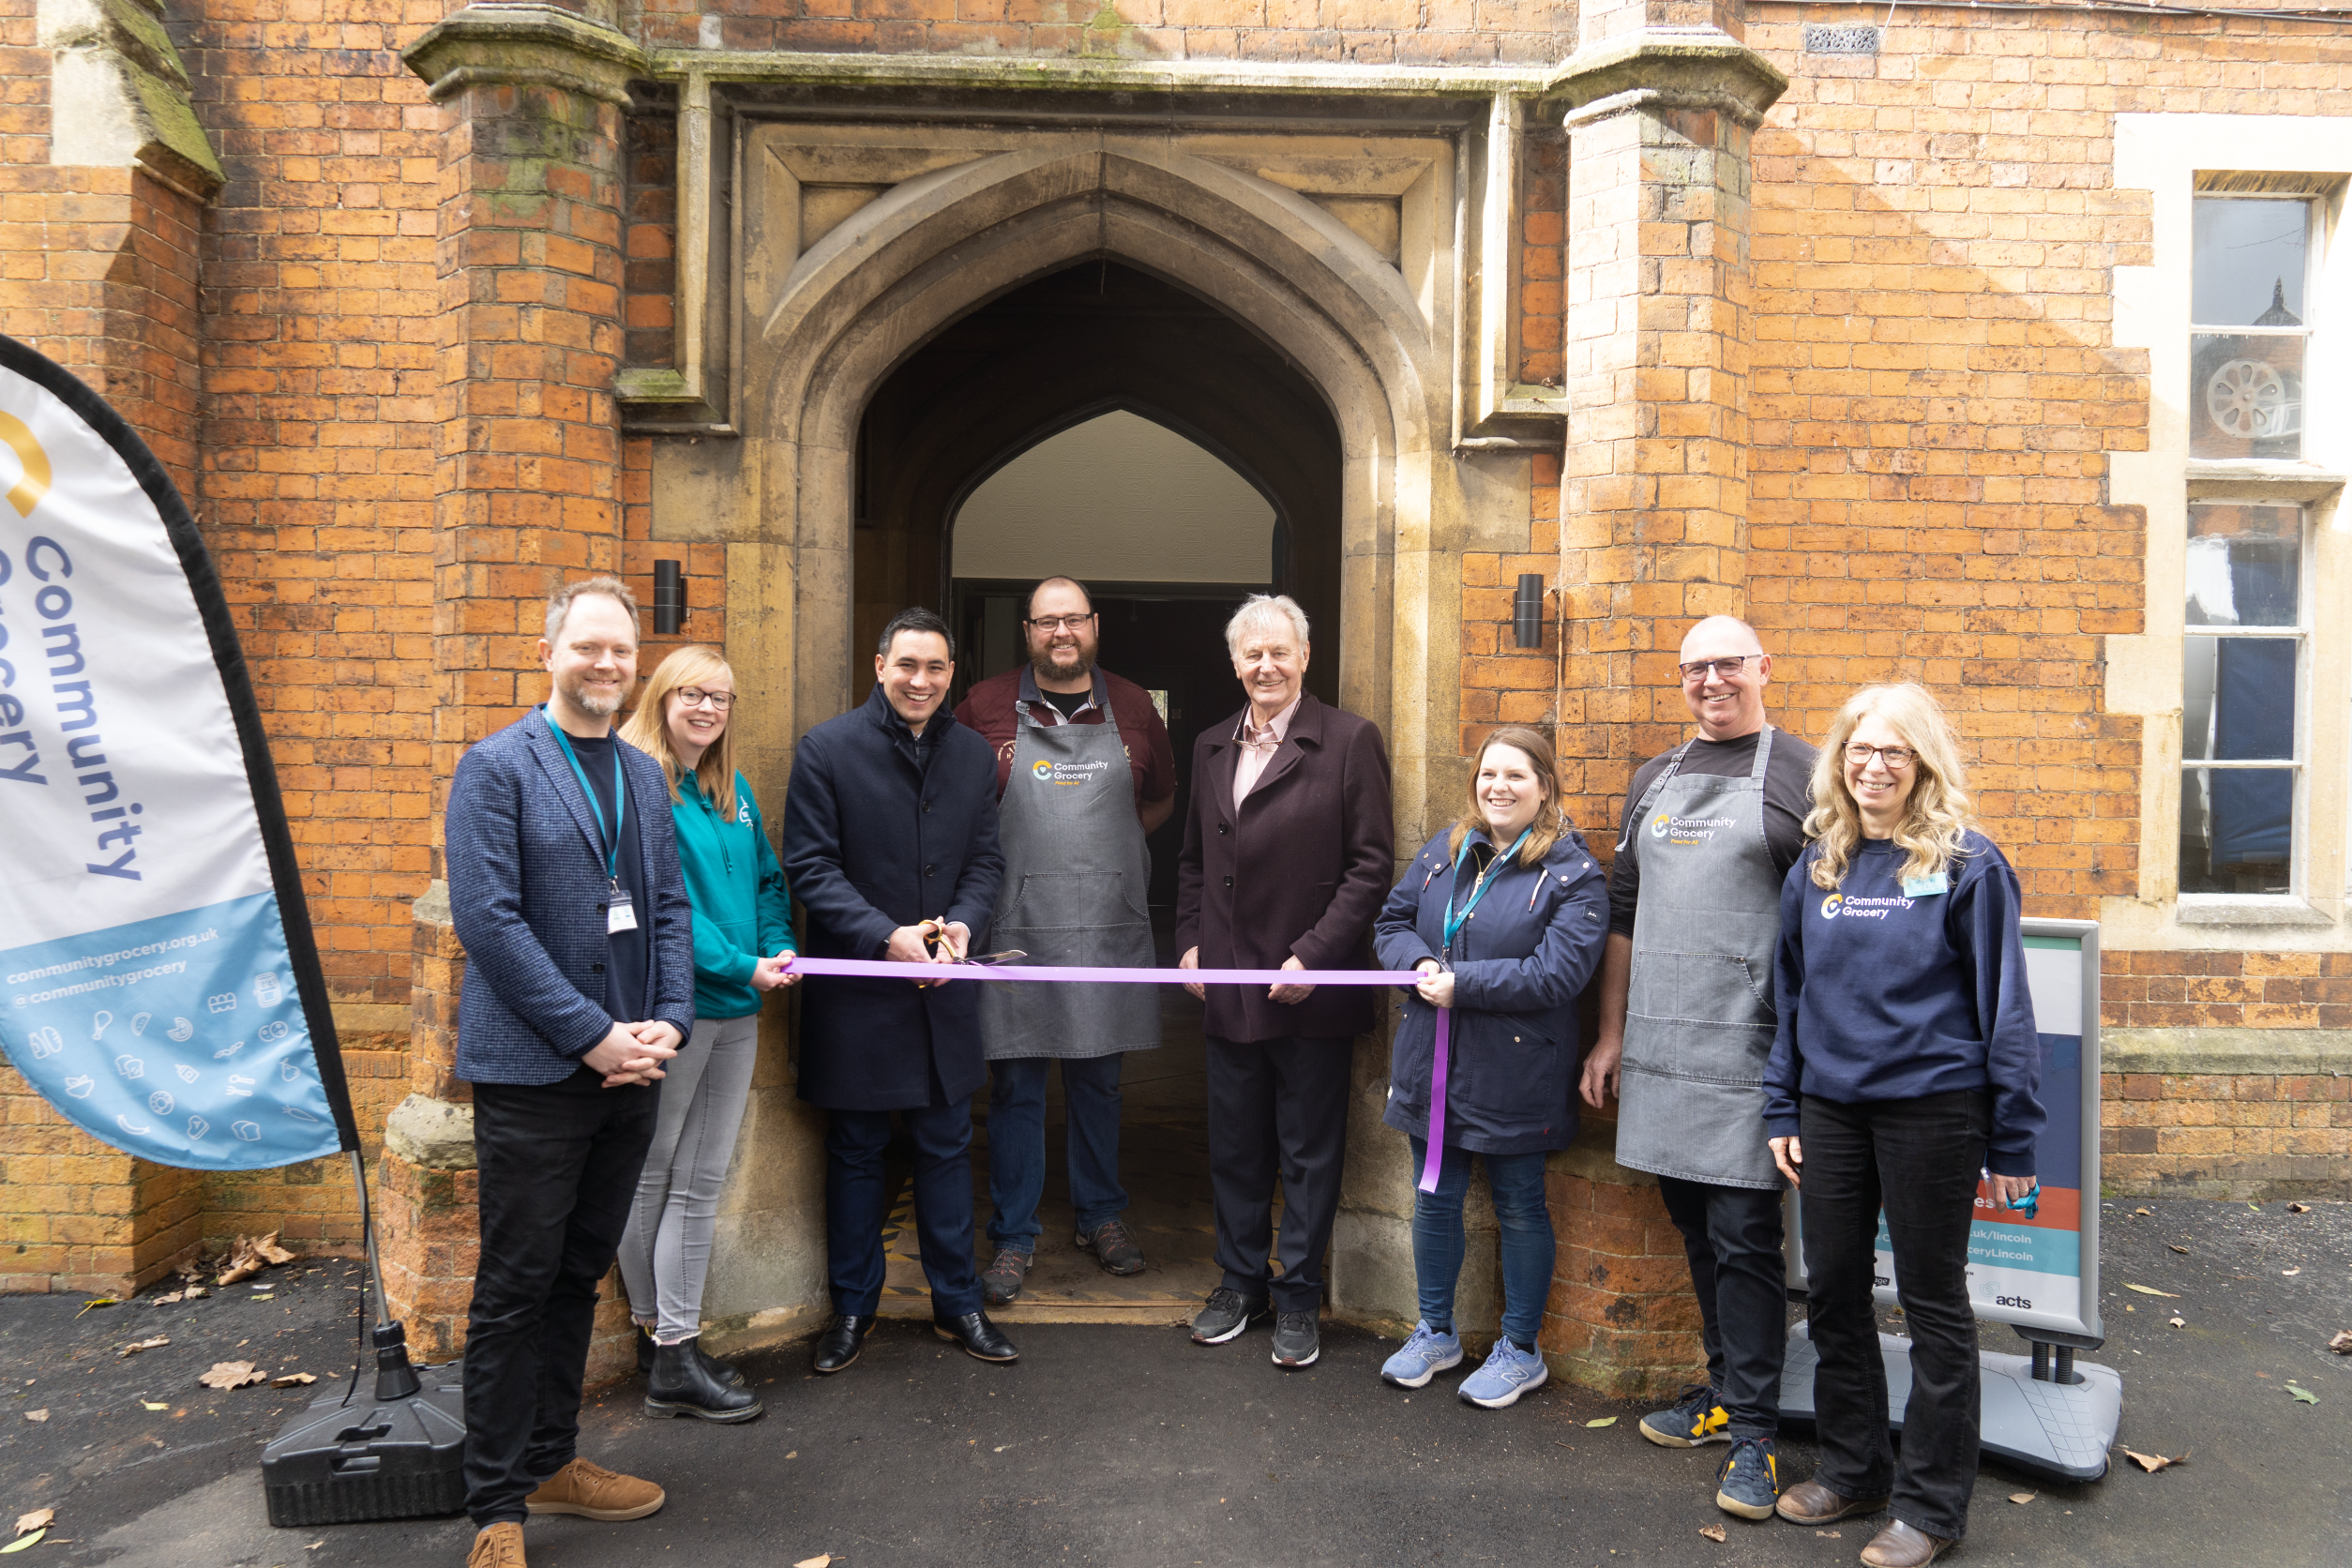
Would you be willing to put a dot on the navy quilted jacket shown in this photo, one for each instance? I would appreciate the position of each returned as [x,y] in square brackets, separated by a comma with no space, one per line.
[527,898]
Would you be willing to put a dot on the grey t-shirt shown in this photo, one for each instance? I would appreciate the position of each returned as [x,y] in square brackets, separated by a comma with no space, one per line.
[1787,796]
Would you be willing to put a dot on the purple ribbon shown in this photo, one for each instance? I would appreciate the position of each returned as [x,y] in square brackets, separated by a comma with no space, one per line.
[880,968]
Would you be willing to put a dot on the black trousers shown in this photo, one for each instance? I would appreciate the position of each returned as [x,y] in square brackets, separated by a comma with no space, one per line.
[557,1167]
[1277,1107]
[1732,1236]
[857,1203]
[1919,1159]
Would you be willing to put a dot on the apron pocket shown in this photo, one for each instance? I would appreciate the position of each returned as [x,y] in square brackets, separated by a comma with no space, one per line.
[1071,900]
[1698,988]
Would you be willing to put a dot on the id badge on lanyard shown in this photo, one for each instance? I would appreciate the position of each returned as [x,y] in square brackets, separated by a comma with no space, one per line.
[620,912]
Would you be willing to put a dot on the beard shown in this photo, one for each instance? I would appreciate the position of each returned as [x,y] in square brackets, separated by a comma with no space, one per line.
[1081,662]
[593,703]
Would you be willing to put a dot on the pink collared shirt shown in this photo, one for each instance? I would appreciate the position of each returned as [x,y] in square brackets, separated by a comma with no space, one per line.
[1258,750]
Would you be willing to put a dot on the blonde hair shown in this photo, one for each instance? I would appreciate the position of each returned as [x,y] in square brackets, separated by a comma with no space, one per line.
[648,728]
[1934,816]
[1550,823]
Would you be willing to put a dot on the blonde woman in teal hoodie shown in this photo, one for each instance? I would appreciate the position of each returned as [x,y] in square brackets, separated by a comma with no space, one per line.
[743,940]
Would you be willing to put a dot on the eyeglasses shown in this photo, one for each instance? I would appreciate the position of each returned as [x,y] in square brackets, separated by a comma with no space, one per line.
[1724,668]
[1897,757]
[694,697]
[1051,624]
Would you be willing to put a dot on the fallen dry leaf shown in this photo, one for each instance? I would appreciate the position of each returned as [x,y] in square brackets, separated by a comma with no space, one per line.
[1712,1532]
[1830,1534]
[2182,1250]
[2151,1291]
[23,1541]
[138,1345]
[251,1256]
[2144,1211]
[292,1379]
[2289,1274]
[97,1302]
[822,1560]
[151,1405]
[2299,1208]
[1603,1420]
[233,1374]
[2180,1323]
[39,1518]
[2302,1393]
[37,1415]
[2342,1343]
[2021,1496]
[2151,1463]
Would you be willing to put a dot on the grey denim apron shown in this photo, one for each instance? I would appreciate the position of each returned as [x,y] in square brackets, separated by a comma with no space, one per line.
[1077,874]
[1699,1006]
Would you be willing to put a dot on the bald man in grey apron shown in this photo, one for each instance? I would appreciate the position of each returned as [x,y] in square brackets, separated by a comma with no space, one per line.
[1686,1023]
[1083,766]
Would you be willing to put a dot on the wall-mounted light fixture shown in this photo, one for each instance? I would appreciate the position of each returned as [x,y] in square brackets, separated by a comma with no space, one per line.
[1526,611]
[669,598]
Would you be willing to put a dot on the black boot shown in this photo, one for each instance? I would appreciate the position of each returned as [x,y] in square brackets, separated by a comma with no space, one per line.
[839,1345]
[716,1368]
[680,1384]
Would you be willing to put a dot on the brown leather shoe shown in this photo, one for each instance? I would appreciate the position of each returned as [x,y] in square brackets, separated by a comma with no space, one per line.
[1902,1546]
[1809,1502]
[497,1546]
[594,1492]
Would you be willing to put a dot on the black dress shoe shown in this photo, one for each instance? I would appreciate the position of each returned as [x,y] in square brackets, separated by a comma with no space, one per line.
[841,1340]
[717,1369]
[680,1384]
[977,1335]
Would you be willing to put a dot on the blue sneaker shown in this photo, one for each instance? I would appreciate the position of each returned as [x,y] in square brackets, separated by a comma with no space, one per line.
[1749,1483]
[1509,1372]
[1427,1353]
[1695,1419]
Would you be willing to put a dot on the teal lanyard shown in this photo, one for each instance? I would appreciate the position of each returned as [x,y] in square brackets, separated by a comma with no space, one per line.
[1494,874]
[620,799]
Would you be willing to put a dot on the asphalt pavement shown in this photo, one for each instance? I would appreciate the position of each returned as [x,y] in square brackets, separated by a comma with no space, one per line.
[1118,1445]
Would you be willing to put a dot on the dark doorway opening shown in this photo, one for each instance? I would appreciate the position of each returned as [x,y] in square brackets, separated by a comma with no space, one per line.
[1039,361]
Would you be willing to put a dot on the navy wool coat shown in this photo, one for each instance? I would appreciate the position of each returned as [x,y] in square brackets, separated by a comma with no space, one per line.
[871,843]
[527,889]
[1518,963]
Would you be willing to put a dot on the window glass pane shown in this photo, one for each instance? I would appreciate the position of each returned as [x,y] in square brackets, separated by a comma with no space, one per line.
[2250,261]
[2245,396]
[2245,565]
[2237,698]
[2236,830]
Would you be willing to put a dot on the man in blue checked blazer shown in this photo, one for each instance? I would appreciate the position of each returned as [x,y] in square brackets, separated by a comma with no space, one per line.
[565,888]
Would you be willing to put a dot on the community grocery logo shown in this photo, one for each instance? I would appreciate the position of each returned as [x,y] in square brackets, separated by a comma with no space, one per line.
[1658,825]
[1830,905]
[1065,773]
[1040,770]
[1686,830]
[33,483]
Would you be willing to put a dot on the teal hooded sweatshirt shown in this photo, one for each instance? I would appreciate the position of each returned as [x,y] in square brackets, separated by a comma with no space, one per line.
[742,910]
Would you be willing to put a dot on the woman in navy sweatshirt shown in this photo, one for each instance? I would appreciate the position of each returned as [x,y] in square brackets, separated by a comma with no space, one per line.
[1905,1067]
[1505,915]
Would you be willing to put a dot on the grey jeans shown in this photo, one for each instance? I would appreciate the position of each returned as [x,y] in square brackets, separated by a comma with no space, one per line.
[666,1251]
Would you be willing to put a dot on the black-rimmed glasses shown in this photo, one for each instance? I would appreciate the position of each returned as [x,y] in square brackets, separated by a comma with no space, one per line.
[694,697]
[1724,669]
[1051,624]
[1897,757]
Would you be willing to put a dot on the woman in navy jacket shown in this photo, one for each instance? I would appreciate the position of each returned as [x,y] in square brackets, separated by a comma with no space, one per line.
[1505,914]
[1906,1064]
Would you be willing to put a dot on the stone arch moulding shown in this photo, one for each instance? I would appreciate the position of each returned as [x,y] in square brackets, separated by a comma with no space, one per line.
[933,247]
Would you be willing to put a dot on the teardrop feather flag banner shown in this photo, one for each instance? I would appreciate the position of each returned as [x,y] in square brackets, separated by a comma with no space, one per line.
[159,983]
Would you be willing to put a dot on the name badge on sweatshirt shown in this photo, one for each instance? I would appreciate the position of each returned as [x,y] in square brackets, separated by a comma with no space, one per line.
[620,914]
[1926,887]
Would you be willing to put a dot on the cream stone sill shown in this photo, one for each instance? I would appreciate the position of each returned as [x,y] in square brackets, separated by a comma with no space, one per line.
[2216,910]
[2283,481]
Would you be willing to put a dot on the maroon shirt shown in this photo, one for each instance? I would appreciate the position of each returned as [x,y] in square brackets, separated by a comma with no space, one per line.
[991,709]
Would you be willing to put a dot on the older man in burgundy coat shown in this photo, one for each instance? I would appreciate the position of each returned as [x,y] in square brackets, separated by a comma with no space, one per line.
[1289,851]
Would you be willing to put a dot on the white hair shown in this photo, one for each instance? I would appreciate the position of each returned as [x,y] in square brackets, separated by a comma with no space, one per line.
[1257,610]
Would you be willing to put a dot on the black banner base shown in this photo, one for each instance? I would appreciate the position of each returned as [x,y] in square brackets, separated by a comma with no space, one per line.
[380,1456]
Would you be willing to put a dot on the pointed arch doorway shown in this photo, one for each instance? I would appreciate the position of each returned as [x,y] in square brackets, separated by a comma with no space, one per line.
[1102,423]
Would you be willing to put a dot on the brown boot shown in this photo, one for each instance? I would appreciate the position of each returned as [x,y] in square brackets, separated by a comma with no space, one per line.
[1809,1502]
[594,1492]
[1902,1546]
[497,1546]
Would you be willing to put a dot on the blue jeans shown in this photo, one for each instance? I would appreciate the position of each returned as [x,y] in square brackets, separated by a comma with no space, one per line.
[1016,1145]
[1440,1237]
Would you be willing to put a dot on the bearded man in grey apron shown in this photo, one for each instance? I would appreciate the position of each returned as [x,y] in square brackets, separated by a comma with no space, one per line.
[1686,1023]
[1085,769]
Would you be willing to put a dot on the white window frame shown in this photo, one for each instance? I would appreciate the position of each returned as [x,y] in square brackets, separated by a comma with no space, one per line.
[2175,158]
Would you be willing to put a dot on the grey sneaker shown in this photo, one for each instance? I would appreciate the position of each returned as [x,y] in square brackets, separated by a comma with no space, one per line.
[1296,1342]
[1749,1483]
[1695,1417]
[1508,1373]
[1227,1313]
[1113,1247]
[1001,1281]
